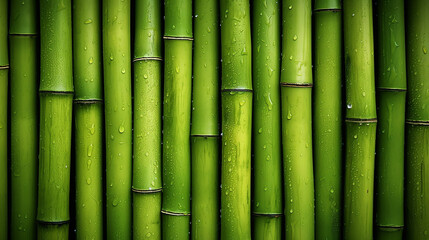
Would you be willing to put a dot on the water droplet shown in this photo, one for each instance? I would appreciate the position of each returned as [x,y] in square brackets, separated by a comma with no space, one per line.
[290,7]
[90,148]
[146,154]
[349,106]
[91,60]
[115,202]
[121,129]
[208,29]
[88,21]
[177,69]
[425,51]
[291,211]
[355,136]
[173,27]
[332,190]
[363,94]
[88,181]
[92,129]
[111,57]
[291,57]
[295,37]
[123,71]
[260,130]
[242,103]
[88,164]
[148,235]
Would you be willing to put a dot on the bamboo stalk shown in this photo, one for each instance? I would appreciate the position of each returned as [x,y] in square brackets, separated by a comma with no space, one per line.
[118,116]
[4,77]
[296,83]
[391,92]
[327,117]
[88,119]
[56,96]
[24,118]
[176,160]
[267,204]
[361,119]
[147,183]
[236,99]
[417,119]
[205,122]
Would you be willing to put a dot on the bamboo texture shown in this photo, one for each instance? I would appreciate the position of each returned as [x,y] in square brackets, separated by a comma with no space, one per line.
[417,119]
[205,122]
[267,207]
[391,93]
[176,159]
[147,184]
[56,96]
[361,119]
[296,88]
[4,81]
[24,118]
[88,118]
[236,105]
[327,118]
[118,116]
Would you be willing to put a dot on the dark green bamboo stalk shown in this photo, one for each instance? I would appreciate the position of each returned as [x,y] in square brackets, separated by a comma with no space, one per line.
[205,122]
[267,205]
[176,204]
[88,118]
[361,119]
[236,98]
[147,183]
[118,120]
[296,83]
[327,117]
[417,154]
[24,118]
[56,96]
[391,92]
[4,77]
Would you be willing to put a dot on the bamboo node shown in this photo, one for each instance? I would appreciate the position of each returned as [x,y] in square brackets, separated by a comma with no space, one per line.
[146,191]
[296,85]
[53,223]
[418,122]
[4,67]
[361,120]
[174,214]
[178,38]
[147,59]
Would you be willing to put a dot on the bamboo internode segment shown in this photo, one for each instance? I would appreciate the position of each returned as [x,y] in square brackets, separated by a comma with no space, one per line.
[360,119]
[296,81]
[327,118]
[391,98]
[118,116]
[24,133]
[417,119]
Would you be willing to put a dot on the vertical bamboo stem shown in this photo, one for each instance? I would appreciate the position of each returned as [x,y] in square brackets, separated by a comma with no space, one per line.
[205,122]
[24,118]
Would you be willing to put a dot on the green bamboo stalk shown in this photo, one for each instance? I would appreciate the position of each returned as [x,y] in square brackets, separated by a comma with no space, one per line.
[296,83]
[176,159]
[24,118]
[147,183]
[361,119]
[327,117]
[391,93]
[205,122]
[4,77]
[56,96]
[267,205]
[88,118]
[417,154]
[236,98]
[118,118]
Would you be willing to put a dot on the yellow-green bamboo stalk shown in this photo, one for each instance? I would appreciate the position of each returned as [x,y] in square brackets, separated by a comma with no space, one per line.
[236,98]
